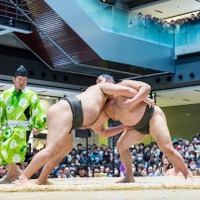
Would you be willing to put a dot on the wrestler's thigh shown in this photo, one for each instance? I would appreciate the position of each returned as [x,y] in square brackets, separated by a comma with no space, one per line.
[59,123]
[130,137]
[159,129]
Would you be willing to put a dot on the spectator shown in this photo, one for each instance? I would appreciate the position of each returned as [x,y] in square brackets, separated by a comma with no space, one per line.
[116,172]
[108,171]
[141,148]
[73,173]
[192,17]
[79,151]
[140,168]
[155,151]
[137,20]
[96,170]
[67,172]
[82,171]
[90,172]
[151,161]
[60,172]
[150,171]
[139,159]
[106,158]
[94,156]
[72,155]
[163,166]
[102,169]
[134,153]
[198,17]
[144,172]
[173,172]
[191,155]
[147,153]
[2,171]
[72,165]
[192,164]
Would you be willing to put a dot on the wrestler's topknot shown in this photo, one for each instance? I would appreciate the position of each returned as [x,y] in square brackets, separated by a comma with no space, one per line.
[108,77]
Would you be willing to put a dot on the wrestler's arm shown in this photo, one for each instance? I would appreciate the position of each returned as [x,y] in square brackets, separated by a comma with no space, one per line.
[110,131]
[100,129]
[143,90]
[119,90]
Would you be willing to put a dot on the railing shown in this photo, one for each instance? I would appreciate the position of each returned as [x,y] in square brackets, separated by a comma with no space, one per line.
[119,21]
[8,9]
[185,39]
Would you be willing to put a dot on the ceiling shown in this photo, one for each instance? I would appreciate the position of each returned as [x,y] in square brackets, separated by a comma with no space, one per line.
[178,96]
[169,8]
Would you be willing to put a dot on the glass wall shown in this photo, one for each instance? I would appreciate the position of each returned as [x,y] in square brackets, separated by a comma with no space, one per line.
[187,38]
[119,21]
[184,38]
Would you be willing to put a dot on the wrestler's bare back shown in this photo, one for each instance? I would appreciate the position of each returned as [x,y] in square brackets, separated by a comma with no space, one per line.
[93,100]
[114,110]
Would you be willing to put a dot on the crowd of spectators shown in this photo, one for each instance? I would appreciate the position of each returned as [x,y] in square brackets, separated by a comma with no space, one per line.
[173,24]
[102,160]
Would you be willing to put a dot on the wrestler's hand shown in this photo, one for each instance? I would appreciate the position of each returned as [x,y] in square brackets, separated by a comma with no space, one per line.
[127,127]
[35,131]
[126,105]
[150,102]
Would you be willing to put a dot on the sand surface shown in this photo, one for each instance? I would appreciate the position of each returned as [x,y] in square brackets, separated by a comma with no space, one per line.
[152,188]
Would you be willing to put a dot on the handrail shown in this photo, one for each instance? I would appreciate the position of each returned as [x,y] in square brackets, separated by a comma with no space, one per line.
[60,49]
[183,38]
[7,9]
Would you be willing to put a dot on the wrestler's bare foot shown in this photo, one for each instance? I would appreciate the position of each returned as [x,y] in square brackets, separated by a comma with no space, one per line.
[24,182]
[46,182]
[126,180]
[189,179]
